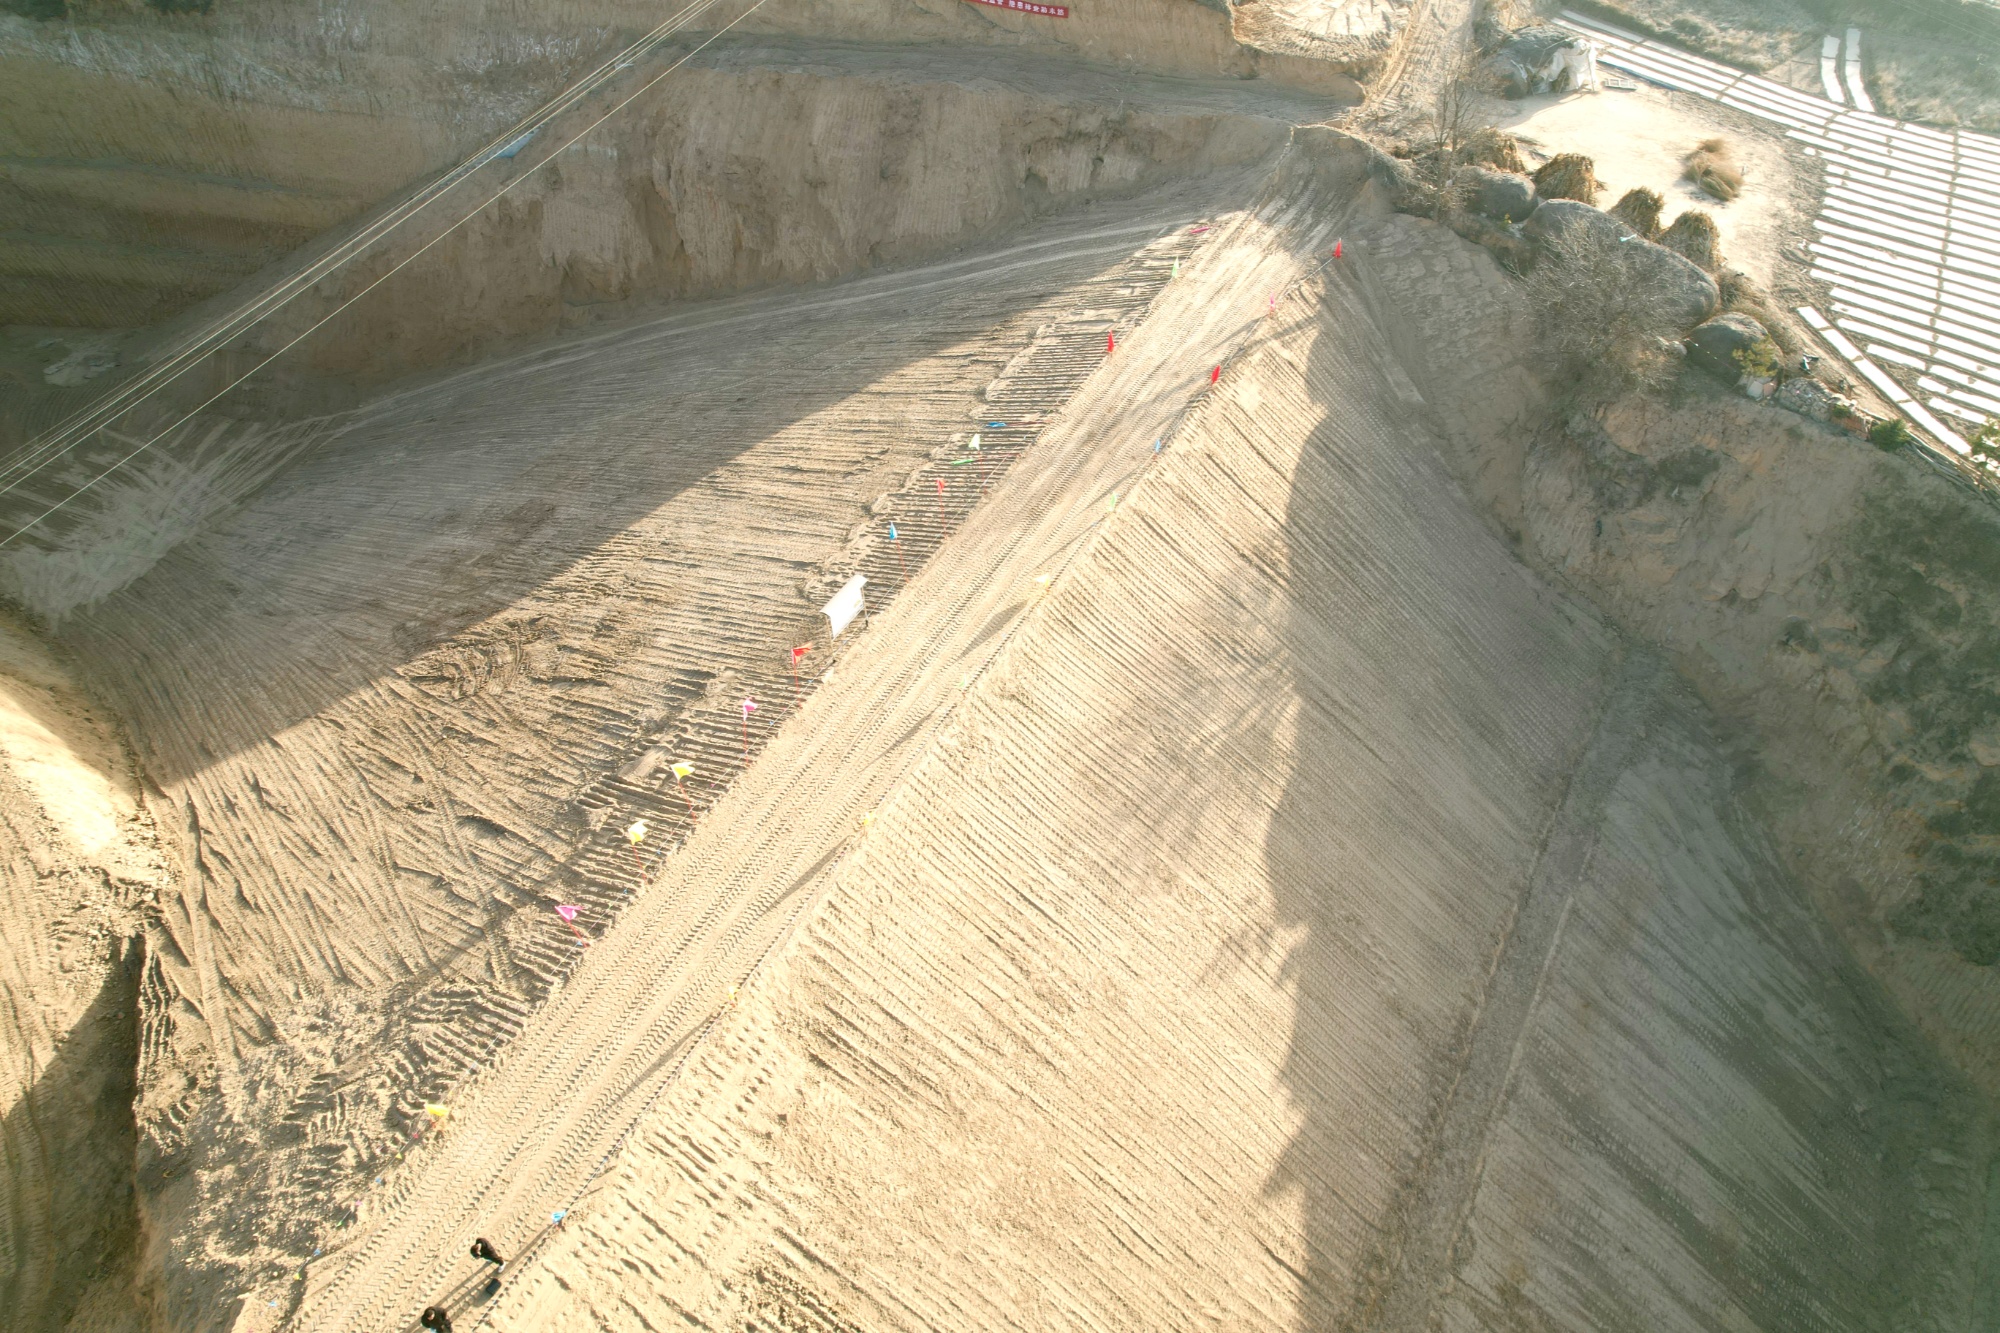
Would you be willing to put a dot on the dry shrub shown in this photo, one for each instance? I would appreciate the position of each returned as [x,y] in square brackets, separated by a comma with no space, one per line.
[1601,328]
[1640,210]
[1694,237]
[1568,176]
[1453,116]
[1740,293]
[1712,167]
[1494,148]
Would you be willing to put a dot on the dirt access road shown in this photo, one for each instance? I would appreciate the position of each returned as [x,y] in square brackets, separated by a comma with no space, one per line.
[527,1140]
[1433,46]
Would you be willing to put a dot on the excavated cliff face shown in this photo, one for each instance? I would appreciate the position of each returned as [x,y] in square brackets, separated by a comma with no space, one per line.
[770,166]
[149,159]
[1849,603]
[80,872]
[1836,604]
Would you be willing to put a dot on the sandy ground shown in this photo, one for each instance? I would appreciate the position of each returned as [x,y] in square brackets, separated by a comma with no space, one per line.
[78,868]
[1640,138]
[1408,911]
[1220,885]
[489,616]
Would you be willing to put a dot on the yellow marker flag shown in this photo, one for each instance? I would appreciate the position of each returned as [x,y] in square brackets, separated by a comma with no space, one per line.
[636,832]
[437,1113]
[683,770]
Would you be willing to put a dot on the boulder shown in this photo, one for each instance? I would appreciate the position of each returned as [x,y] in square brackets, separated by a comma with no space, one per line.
[1629,268]
[1714,345]
[1500,195]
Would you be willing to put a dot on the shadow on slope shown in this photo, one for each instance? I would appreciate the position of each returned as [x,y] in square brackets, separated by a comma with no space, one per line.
[1651,1089]
[70,1232]
[447,505]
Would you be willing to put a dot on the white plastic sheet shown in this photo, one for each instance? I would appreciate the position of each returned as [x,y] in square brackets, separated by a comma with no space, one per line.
[846,604]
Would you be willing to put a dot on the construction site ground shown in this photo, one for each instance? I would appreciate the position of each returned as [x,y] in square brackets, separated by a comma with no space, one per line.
[1289,843]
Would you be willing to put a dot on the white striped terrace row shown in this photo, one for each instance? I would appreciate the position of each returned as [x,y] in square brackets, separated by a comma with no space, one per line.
[1908,234]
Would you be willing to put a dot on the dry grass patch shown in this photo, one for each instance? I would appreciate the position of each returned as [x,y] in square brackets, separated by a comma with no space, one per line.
[1712,167]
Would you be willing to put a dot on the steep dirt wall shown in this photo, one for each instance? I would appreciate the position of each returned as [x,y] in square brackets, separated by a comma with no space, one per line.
[1507,1019]
[149,160]
[79,873]
[1836,603]
[753,175]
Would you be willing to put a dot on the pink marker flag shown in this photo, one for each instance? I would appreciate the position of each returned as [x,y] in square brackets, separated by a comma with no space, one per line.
[566,912]
[749,707]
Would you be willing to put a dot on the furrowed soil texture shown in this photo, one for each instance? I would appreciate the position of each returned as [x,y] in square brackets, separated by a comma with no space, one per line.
[489,616]
[1305,836]
[1290,912]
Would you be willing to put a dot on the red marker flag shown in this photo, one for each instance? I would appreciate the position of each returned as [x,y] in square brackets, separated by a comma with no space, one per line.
[1110,341]
[797,653]
[1215,375]
[1336,249]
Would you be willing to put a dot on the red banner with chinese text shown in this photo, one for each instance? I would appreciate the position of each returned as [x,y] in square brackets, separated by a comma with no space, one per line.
[1029,7]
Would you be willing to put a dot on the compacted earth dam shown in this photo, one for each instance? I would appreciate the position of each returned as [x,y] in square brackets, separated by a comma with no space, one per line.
[1331,815]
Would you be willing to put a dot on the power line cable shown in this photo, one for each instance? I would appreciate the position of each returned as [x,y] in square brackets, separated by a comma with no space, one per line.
[97,415]
[504,190]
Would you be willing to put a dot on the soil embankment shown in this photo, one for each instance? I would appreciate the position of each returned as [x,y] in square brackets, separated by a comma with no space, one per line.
[1261,864]
[1512,1017]
[79,871]
[405,701]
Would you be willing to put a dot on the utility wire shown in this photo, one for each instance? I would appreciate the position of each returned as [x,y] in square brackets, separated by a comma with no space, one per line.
[198,345]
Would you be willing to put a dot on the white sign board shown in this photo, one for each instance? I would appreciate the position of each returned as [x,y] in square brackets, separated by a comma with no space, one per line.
[846,604]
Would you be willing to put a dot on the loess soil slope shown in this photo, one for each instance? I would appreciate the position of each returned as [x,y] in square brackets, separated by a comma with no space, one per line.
[1315,830]
[1308,917]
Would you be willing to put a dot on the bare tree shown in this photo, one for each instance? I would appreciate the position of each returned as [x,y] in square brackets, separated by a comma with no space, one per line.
[1454,114]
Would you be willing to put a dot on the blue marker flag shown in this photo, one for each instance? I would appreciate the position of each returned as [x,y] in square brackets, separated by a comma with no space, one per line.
[892,532]
[996,425]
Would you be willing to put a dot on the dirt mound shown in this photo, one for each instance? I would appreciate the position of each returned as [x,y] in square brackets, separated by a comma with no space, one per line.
[1537,825]
[79,872]
[601,547]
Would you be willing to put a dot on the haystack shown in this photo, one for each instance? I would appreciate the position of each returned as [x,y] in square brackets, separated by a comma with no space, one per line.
[1494,148]
[1568,176]
[1693,236]
[1712,167]
[1640,210]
